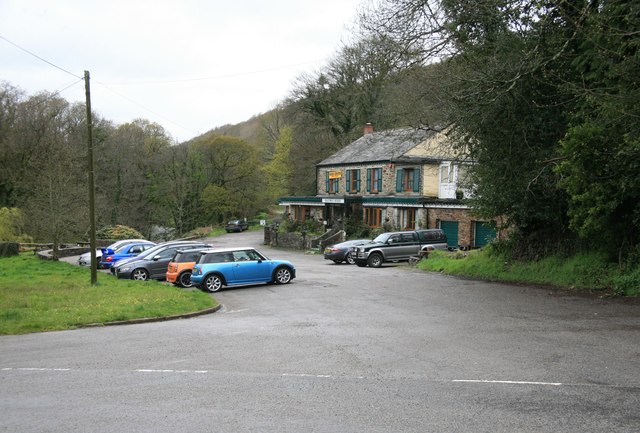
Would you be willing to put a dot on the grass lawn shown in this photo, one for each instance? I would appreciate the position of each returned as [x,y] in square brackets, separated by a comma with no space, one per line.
[582,272]
[38,295]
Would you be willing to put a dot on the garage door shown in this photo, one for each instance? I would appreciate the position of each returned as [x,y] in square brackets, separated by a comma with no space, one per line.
[450,228]
[484,233]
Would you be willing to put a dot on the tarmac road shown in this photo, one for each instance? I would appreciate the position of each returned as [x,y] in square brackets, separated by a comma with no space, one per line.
[340,349]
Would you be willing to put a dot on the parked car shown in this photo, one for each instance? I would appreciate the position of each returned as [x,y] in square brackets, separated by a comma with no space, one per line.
[236,226]
[153,263]
[342,252]
[397,246]
[220,267]
[110,256]
[85,259]
[179,268]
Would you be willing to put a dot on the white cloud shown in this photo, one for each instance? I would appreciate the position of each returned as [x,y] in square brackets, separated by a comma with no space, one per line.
[149,58]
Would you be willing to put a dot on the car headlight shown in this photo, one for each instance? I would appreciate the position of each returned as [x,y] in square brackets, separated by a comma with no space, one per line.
[124,268]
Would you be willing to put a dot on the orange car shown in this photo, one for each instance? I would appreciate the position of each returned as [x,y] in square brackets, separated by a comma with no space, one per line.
[179,270]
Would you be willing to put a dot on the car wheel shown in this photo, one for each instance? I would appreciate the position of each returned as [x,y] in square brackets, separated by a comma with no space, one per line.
[184,280]
[213,283]
[375,260]
[283,275]
[349,259]
[140,274]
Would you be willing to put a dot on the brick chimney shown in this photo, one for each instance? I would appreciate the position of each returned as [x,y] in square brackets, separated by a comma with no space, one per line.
[368,128]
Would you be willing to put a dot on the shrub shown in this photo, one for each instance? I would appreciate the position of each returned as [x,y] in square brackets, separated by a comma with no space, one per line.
[357,229]
[12,225]
[8,249]
[200,232]
[118,232]
[309,226]
[627,284]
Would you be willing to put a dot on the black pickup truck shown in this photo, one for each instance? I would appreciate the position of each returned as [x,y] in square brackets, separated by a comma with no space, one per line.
[397,246]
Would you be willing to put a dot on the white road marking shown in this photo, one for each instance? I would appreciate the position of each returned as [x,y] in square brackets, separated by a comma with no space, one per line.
[36,369]
[330,376]
[508,382]
[305,375]
[171,371]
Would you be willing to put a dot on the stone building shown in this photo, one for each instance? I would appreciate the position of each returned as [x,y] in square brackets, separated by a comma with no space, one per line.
[403,178]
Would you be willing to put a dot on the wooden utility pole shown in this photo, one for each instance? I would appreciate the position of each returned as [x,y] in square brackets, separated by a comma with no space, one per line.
[92,225]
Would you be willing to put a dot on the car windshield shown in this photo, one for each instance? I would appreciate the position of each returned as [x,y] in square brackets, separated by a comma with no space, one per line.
[382,238]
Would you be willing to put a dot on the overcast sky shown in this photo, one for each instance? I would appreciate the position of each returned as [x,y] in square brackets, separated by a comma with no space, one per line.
[188,65]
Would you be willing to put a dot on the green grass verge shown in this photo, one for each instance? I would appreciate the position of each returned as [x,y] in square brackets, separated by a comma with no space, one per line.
[583,272]
[38,295]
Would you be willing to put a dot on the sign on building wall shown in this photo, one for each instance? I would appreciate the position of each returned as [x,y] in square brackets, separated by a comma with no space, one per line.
[335,174]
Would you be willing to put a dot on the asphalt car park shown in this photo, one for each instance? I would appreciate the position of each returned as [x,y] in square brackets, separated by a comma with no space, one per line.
[341,348]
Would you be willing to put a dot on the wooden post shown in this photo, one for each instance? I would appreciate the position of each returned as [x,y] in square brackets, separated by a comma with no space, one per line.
[92,225]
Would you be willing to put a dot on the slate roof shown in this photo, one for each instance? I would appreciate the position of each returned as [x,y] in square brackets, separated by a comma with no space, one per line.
[378,146]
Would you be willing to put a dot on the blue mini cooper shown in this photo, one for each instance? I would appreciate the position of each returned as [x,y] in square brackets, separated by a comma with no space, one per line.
[220,267]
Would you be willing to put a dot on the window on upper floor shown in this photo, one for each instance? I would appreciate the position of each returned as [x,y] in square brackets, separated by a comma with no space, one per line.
[455,180]
[374,180]
[446,173]
[464,179]
[333,181]
[334,186]
[407,179]
[353,181]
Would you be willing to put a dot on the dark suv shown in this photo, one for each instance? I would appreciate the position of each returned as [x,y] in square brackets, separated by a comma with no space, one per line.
[153,263]
[236,226]
[397,246]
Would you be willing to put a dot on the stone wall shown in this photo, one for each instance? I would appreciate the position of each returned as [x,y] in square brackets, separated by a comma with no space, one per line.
[62,252]
[293,240]
[275,238]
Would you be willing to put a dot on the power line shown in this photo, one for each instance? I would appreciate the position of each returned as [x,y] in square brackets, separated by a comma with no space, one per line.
[142,106]
[40,58]
[105,84]
[80,79]
[68,87]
